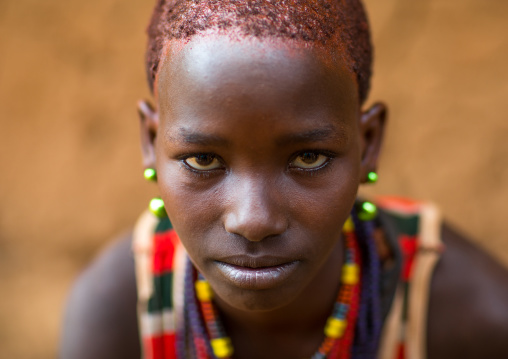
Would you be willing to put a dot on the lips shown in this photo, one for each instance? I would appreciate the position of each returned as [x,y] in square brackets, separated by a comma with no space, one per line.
[256,273]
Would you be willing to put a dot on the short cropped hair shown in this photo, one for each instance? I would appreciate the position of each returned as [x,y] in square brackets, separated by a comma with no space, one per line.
[340,25]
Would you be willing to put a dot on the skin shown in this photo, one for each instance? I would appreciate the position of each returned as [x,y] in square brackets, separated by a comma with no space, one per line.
[264,107]
[248,112]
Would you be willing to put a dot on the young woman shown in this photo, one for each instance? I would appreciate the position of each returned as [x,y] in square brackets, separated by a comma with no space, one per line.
[258,143]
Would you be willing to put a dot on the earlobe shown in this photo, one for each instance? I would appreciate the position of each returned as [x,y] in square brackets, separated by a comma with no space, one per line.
[149,123]
[372,125]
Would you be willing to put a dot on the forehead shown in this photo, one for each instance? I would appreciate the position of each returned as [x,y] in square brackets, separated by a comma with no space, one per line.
[248,73]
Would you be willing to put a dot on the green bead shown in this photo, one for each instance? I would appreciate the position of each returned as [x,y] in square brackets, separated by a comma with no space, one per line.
[157,207]
[372,177]
[150,174]
[367,211]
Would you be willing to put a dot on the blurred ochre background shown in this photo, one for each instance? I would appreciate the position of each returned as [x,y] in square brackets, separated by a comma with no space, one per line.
[70,176]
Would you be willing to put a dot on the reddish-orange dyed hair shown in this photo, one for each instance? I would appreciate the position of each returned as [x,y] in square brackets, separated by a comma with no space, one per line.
[340,25]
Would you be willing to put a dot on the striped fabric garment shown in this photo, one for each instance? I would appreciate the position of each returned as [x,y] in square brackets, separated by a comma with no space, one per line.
[416,226]
[156,305]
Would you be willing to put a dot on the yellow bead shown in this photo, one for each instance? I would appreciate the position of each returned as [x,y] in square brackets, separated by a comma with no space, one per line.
[222,347]
[350,274]
[203,291]
[335,328]
[349,226]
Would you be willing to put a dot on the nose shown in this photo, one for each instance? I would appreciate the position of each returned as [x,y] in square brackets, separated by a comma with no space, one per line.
[255,210]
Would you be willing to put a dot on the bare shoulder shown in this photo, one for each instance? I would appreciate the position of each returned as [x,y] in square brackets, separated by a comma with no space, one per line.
[468,308]
[100,319]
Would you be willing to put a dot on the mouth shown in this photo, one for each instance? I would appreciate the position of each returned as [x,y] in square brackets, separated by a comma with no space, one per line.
[256,273]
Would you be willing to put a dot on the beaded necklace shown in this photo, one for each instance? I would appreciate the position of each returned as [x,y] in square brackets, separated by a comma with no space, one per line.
[339,329]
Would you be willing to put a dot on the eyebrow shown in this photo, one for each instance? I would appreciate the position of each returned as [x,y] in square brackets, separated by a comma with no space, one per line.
[315,135]
[198,138]
[188,136]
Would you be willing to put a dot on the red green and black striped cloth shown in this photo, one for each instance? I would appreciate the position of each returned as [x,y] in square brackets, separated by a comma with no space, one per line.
[158,323]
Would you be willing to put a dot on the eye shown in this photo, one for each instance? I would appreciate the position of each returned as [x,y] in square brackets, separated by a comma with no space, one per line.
[203,162]
[309,160]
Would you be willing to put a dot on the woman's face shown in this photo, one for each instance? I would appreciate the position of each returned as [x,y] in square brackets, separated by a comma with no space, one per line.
[258,154]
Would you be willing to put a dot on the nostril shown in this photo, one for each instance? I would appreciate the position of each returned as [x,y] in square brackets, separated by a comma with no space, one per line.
[255,228]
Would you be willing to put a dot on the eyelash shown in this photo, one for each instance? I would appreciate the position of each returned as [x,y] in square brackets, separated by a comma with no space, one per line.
[313,171]
[310,171]
[195,172]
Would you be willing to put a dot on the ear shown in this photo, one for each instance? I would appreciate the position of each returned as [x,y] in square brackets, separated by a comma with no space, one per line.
[372,126]
[149,123]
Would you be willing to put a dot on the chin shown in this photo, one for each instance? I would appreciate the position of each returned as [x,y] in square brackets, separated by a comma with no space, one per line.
[257,300]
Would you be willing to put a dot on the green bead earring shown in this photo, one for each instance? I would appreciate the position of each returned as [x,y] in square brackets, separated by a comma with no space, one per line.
[150,174]
[157,207]
[367,211]
[372,177]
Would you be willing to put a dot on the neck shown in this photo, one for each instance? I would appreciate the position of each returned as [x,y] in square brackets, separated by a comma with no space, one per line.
[297,326]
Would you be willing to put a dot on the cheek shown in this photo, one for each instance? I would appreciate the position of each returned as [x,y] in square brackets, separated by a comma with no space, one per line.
[323,208]
[193,212]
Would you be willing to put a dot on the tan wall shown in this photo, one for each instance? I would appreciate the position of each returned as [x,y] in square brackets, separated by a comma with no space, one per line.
[70,176]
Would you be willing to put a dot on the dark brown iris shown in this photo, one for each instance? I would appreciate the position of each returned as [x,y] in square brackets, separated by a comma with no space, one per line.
[204,160]
[309,157]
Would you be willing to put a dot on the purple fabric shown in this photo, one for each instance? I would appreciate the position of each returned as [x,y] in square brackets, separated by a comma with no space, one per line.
[369,317]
